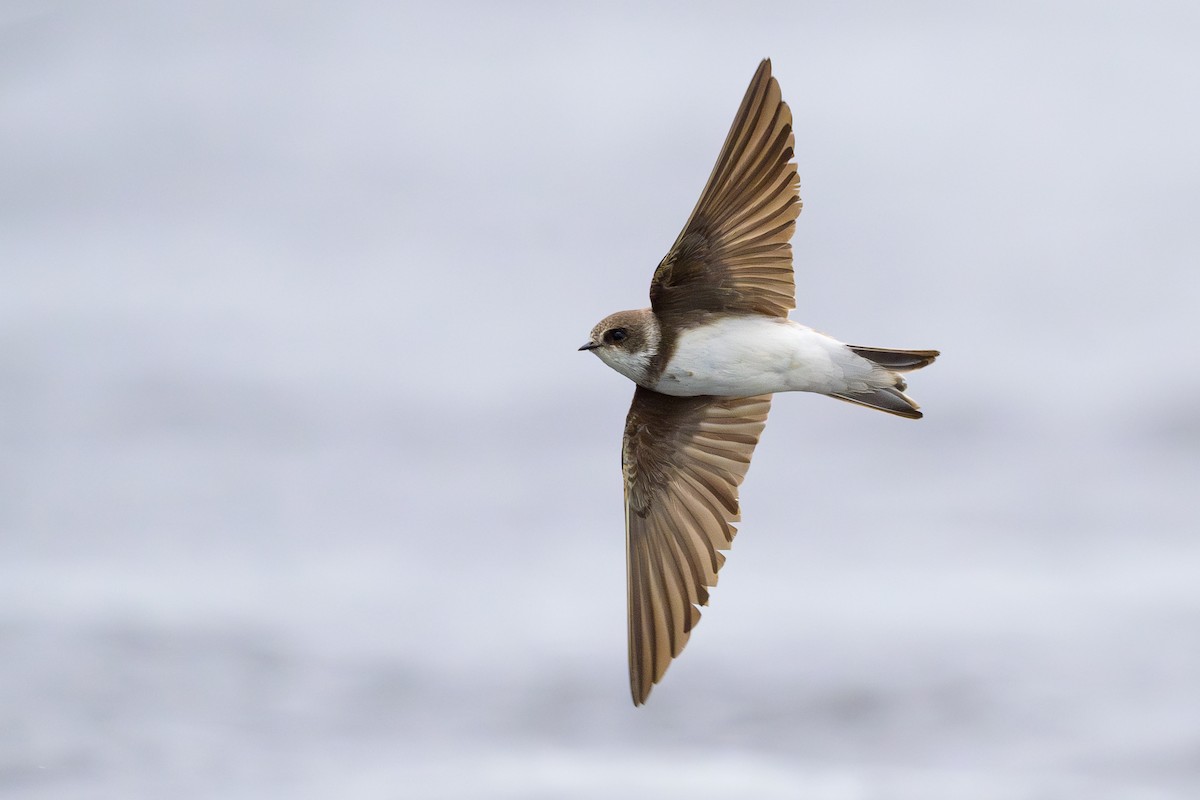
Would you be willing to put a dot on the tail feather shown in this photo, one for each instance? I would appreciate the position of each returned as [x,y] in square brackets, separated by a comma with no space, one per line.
[891,398]
[896,360]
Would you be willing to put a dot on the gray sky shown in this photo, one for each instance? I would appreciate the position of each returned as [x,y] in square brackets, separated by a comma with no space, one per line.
[301,475]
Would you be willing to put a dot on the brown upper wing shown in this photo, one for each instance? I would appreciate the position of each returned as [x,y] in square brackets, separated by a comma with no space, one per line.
[734,253]
[683,459]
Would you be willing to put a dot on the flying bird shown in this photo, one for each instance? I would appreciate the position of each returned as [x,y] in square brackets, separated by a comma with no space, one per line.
[707,355]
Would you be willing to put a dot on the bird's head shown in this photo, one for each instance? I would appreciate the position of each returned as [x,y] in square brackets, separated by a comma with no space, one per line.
[627,341]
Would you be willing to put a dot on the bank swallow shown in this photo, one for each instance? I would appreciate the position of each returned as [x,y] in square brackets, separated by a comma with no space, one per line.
[707,355]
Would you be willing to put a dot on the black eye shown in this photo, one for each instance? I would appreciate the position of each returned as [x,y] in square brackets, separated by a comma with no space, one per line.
[616,335]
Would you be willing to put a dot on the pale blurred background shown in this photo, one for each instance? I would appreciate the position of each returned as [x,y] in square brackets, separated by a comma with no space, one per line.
[305,491]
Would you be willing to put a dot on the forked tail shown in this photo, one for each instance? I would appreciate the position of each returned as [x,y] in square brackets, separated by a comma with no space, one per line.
[889,396]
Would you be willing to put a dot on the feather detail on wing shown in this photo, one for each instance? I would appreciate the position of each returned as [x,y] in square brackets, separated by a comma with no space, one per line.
[734,254]
[683,460]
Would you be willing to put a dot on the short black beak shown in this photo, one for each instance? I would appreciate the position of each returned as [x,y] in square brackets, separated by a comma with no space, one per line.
[589,346]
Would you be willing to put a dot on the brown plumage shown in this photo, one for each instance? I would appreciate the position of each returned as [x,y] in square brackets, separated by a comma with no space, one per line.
[700,405]
[733,256]
[683,460]
[734,253]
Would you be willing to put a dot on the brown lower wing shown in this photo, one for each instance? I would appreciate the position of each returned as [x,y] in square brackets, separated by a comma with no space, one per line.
[734,254]
[683,460]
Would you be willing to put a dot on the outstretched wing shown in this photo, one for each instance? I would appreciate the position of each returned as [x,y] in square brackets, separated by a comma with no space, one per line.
[734,253]
[683,460]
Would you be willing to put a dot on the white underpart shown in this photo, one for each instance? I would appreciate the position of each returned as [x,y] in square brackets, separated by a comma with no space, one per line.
[749,355]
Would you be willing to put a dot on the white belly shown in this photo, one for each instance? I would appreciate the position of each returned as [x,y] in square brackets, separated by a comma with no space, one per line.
[749,355]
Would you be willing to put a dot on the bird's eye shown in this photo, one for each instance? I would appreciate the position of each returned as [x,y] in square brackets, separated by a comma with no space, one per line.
[616,335]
